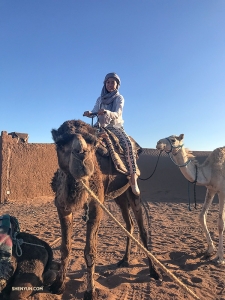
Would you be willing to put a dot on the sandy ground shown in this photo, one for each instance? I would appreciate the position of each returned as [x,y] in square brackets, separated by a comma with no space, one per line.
[175,239]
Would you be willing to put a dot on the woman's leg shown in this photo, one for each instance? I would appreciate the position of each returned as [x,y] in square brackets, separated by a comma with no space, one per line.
[130,157]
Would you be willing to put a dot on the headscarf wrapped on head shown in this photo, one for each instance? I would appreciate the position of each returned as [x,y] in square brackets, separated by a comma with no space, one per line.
[107,97]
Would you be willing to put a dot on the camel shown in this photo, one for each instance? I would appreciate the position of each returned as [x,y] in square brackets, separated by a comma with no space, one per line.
[29,268]
[80,158]
[210,174]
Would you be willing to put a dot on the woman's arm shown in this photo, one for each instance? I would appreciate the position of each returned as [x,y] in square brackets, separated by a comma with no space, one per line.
[118,109]
[88,113]
[97,105]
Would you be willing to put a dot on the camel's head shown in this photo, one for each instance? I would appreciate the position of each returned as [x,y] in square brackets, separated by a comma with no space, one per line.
[167,144]
[75,144]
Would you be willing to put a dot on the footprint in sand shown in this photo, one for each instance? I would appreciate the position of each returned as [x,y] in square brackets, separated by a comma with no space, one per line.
[196,280]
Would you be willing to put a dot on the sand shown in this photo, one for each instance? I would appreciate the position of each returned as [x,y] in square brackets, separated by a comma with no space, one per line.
[175,239]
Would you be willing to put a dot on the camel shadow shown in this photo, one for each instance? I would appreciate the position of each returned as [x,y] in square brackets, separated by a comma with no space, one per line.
[187,262]
[106,276]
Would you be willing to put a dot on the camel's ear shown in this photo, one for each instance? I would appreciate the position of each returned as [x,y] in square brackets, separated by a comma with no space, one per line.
[180,137]
[54,135]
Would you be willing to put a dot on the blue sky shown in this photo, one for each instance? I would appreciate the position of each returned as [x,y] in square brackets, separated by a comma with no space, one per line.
[170,56]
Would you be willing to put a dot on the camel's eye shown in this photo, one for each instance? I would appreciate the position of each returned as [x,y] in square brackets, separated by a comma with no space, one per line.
[173,140]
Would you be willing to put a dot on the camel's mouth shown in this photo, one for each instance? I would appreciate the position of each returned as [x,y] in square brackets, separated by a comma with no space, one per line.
[160,146]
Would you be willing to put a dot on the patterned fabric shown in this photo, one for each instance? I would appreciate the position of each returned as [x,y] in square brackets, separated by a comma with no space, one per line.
[122,150]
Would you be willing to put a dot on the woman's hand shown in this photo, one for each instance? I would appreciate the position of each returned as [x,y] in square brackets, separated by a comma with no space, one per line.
[101,112]
[87,113]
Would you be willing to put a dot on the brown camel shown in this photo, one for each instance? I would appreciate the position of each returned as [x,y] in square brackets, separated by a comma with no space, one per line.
[80,157]
[29,267]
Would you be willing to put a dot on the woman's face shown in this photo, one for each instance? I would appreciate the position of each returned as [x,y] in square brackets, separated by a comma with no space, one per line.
[111,85]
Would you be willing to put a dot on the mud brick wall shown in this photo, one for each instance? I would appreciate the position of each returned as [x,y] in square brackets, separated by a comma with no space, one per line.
[168,183]
[26,169]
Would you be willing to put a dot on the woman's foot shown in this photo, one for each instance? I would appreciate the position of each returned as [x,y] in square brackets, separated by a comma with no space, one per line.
[134,185]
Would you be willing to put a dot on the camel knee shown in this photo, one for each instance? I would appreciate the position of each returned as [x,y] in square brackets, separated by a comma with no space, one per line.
[130,228]
[90,259]
[220,224]
[201,218]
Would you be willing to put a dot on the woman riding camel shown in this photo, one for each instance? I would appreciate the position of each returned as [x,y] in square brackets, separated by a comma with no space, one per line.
[109,107]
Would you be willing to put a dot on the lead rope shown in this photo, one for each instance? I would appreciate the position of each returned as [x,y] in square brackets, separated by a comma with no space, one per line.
[194,182]
[154,168]
[149,254]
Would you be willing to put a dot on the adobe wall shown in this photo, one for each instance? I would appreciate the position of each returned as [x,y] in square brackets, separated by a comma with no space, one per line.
[26,169]
[168,183]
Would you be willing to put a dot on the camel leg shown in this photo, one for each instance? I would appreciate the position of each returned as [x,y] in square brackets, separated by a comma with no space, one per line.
[95,216]
[123,204]
[221,227]
[135,203]
[202,219]
[66,222]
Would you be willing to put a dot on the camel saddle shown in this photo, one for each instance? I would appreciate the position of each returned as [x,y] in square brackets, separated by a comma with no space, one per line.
[109,145]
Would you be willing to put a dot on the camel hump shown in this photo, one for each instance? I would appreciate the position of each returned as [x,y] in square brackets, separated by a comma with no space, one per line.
[217,156]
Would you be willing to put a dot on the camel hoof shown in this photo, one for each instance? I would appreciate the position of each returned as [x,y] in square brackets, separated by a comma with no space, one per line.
[220,261]
[57,287]
[92,295]
[49,277]
[156,275]
[207,255]
[123,263]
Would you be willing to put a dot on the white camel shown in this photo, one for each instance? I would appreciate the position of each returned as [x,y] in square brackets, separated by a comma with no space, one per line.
[210,174]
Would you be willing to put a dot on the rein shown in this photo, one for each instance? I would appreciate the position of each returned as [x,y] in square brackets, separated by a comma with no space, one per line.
[194,182]
[154,168]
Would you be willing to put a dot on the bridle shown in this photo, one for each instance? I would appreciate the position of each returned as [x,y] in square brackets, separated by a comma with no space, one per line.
[178,148]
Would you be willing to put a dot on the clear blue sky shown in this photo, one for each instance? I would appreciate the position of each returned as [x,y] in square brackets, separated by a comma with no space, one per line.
[170,56]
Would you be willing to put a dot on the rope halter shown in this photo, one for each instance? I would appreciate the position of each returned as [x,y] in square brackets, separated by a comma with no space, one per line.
[178,148]
[18,242]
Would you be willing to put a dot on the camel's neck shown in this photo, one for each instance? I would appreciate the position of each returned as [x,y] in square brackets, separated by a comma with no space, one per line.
[189,171]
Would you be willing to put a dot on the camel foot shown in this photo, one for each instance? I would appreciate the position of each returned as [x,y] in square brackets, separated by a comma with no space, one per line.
[220,261]
[155,274]
[92,295]
[207,255]
[57,287]
[123,263]
[49,277]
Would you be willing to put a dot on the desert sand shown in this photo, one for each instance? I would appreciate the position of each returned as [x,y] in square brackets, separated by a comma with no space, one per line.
[175,239]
